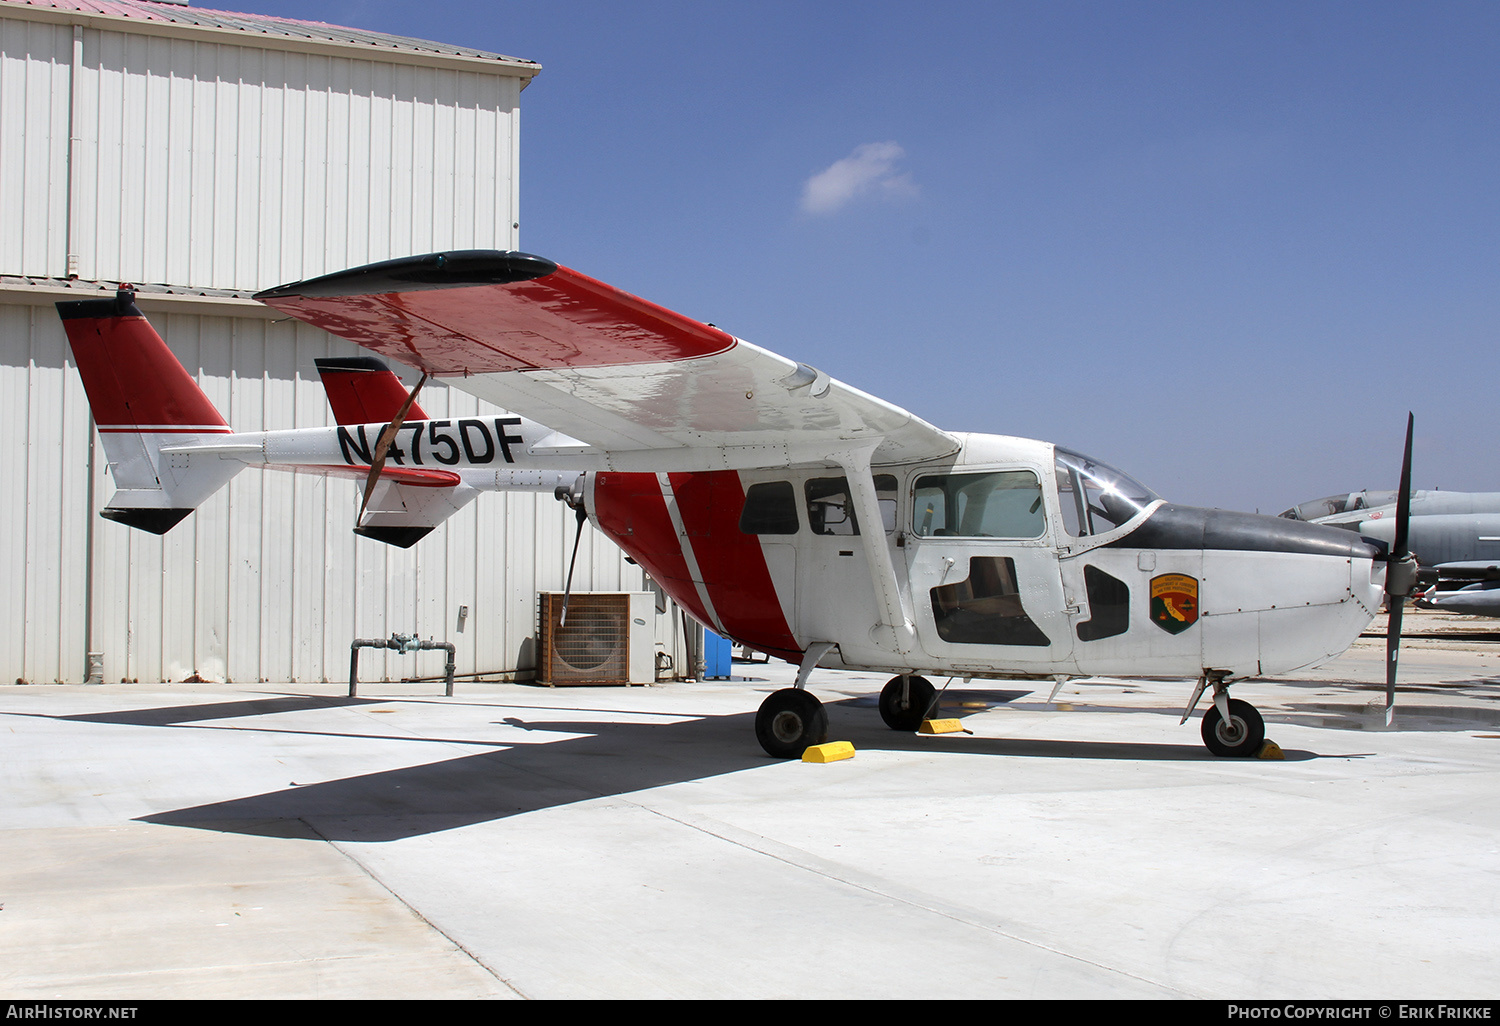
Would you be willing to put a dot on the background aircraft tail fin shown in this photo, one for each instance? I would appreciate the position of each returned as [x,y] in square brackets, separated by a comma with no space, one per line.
[145,403]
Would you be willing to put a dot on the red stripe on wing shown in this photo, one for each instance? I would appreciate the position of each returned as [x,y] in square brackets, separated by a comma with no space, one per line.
[562,319]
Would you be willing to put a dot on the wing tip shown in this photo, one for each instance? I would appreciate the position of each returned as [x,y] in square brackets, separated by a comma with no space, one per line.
[447,270]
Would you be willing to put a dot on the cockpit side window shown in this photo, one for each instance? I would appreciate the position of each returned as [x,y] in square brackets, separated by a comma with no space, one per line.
[999,504]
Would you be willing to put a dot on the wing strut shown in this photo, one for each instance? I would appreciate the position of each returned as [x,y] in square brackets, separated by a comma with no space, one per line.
[896,621]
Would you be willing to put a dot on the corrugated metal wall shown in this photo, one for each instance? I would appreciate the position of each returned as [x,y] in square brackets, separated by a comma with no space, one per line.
[266,581]
[35,86]
[203,165]
[215,166]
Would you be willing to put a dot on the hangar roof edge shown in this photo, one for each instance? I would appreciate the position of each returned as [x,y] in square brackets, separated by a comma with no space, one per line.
[261,30]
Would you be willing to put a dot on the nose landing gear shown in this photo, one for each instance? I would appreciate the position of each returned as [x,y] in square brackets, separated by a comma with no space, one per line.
[1239,736]
[1231,728]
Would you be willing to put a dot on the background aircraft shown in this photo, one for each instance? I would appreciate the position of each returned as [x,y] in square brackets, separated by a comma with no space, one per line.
[1454,535]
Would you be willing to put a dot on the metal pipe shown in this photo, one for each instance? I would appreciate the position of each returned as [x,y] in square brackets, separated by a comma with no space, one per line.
[401,643]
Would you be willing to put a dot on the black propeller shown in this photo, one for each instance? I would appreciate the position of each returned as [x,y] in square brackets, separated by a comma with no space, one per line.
[383,445]
[1400,577]
[573,497]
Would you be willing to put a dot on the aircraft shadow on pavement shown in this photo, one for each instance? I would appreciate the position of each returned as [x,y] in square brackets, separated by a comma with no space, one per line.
[170,716]
[610,757]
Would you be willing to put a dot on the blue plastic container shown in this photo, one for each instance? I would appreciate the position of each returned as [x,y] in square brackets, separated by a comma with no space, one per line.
[716,658]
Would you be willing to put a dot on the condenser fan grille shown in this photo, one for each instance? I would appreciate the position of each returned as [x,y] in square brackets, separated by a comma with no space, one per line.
[593,647]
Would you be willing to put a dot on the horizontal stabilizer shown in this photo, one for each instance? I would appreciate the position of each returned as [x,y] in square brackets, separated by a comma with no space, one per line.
[400,537]
[153,521]
[401,514]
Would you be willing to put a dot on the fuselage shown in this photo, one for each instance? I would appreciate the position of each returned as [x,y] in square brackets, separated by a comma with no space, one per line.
[1009,557]
[1006,564]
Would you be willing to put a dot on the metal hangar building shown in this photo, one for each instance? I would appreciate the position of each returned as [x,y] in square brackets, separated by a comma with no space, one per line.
[203,156]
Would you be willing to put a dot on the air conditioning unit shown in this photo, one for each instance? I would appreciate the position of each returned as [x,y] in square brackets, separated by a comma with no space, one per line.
[610,638]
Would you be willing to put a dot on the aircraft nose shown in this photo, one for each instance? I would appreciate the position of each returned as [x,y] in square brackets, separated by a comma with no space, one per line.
[1276,594]
[1193,527]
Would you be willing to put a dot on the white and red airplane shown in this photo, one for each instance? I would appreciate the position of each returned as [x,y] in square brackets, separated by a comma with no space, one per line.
[779,506]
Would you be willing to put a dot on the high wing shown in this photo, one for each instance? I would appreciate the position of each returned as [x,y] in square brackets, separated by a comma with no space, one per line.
[642,387]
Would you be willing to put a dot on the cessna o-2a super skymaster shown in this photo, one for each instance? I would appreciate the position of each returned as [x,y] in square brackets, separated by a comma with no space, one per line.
[780,507]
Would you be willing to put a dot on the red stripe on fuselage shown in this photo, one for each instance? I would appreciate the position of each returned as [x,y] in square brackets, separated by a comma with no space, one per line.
[732,563]
[632,511]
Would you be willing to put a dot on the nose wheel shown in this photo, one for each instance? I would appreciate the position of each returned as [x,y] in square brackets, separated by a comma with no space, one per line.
[1240,735]
[789,721]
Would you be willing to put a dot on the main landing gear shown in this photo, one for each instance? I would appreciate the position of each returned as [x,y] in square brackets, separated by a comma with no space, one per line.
[906,701]
[789,722]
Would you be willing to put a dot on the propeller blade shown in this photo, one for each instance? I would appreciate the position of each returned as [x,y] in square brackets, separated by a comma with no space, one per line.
[562,619]
[1403,498]
[1392,647]
[1400,576]
[383,445]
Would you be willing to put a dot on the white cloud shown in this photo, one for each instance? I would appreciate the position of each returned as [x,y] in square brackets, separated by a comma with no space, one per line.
[868,171]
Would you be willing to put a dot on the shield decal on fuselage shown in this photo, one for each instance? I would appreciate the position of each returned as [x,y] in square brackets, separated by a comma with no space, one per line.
[1174,602]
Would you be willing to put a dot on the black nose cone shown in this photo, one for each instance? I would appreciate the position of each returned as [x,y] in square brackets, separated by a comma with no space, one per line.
[1193,527]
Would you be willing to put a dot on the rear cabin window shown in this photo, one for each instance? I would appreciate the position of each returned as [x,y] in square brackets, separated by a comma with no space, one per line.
[770,508]
[999,504]
[830,508]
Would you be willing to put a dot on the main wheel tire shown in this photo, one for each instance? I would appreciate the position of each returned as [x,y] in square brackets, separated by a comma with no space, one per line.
[907,715]
[1238,738]
[789,721]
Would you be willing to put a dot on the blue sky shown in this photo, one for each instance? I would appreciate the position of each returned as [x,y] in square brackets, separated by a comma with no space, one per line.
[1225,246]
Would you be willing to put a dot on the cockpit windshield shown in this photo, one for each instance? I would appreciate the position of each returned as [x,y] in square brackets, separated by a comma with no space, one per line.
[1333,505]
[1096,497]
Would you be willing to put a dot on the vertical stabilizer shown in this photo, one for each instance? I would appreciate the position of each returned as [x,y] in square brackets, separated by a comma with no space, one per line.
[144,400]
